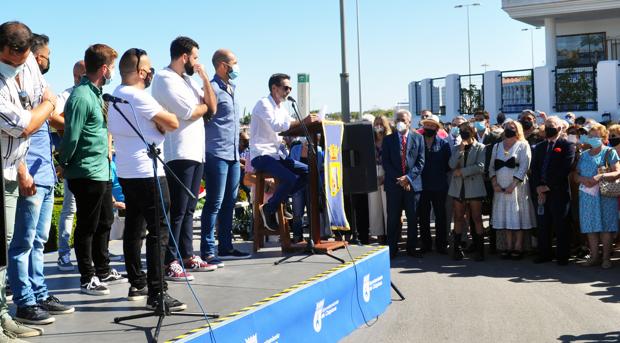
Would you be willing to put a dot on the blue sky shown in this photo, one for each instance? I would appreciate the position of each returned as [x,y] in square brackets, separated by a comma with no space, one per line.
[401,40]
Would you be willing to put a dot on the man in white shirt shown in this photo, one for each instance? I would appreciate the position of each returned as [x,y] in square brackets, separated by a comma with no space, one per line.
[269,118]
[184,148]
[18,120]
[136,176]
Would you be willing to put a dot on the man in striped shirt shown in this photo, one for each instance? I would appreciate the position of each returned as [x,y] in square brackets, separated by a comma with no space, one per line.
[18,120]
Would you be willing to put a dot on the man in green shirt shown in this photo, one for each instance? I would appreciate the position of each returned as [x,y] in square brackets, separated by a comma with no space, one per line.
[85,157]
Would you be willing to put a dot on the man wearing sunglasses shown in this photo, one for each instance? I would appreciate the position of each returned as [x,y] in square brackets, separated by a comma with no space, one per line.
[135,173]
[269,118]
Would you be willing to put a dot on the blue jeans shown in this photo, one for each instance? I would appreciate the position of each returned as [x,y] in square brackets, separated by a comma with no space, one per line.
[33,218]
[221,186]
[299,207]
[291,176]
[65,222]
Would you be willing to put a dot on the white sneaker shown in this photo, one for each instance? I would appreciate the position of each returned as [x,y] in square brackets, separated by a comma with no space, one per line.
[94,287]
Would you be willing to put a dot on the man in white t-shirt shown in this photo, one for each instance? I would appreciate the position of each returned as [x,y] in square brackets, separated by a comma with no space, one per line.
[184,149]
[137,176]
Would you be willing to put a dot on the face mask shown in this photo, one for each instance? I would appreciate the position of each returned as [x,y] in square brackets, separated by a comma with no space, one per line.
[614,141]
[465,135]
[430,132]
[9,71]
[509,133]
[480,126]
[455,132]
[234,72]
[47,68]
[379,129]
[107,81]
[526,124]
[570,120]
[189,69]
[401,127]
[572,138]
[551,132]
[594,142]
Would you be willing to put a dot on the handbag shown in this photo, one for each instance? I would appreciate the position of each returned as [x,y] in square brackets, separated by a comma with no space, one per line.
[610,189]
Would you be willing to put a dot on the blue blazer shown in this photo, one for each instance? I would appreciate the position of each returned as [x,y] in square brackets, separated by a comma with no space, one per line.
[392,160]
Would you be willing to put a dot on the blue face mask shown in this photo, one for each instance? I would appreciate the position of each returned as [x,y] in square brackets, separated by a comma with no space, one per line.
[455,132]
[234,72]
[9,71]
[595,142]
[480,126]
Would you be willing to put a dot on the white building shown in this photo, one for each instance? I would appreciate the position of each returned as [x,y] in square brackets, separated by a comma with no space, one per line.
[582,72]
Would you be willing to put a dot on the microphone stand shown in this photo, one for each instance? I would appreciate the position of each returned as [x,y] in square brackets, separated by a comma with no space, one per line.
[161,311]
[310,250]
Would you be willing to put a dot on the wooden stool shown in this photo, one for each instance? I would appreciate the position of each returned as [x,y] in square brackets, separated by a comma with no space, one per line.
[259,227]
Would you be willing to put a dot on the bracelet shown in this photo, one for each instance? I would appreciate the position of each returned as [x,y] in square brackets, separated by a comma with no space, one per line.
[51,103]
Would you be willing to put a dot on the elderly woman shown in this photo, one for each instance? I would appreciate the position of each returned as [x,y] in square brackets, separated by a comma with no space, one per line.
[376,200]
[513,211]
[467,188]
[598,215]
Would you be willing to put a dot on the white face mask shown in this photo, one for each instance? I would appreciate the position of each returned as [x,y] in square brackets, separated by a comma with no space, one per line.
[379,129]
[572,138]
[9,71]
[401,127]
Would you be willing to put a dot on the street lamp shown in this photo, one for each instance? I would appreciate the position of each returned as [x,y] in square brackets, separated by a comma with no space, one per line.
[531,29]
[485,65]
[467,6]
[344,75]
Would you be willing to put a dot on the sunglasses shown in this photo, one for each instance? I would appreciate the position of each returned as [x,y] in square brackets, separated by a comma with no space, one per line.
[287,88]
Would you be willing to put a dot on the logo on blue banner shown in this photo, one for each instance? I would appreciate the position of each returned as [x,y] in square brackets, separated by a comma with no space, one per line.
[321,312]
[370,285]
[333,131]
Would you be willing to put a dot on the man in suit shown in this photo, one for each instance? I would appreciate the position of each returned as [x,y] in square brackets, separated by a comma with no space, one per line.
[551,163]
[403,161]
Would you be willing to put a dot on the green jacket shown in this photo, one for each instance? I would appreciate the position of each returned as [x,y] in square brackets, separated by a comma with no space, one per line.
[84,147]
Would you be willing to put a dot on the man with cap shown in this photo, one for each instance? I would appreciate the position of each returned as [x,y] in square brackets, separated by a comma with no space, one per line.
[435,186]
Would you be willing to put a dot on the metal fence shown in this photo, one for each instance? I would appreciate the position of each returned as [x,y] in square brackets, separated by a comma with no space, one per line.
[438,96]
[517,90]
[575,89]
[612,45]
[471,93]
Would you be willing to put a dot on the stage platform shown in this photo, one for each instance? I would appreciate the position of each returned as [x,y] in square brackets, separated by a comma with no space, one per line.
[252,296]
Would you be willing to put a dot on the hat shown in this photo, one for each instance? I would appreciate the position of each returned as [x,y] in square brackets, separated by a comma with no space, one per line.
[432,119]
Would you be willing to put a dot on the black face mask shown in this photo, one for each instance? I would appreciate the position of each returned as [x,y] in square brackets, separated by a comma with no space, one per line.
[509,133]
[430,132]
[189,69]
[465,135]
[551,132]
[526,124]
[46,69]
[614,141]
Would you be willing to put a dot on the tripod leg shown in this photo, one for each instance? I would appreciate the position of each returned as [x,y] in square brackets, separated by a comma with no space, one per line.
[135,316]
[334,257]
[158,328]
[402,297]
[282,260]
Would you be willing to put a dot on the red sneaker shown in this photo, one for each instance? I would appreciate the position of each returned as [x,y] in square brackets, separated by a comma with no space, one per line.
[174,272]
[196,264]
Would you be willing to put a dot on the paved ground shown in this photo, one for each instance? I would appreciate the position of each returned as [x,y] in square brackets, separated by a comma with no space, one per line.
[498,301]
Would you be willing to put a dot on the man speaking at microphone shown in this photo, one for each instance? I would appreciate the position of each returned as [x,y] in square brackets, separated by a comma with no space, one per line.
[269,118]
[136,175]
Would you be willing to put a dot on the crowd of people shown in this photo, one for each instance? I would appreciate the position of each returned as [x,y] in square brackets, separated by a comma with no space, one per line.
[538,178]
[96,148]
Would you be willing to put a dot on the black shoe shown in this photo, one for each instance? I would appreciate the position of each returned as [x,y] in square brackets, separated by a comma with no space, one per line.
[33,314]
[414,253]
[516,255]
[542,259]
[562,262]
[442,250]
[136,294]
[297,239]
[269,220]
[457,254]
[505,255]
[170,303]
[470,249]
[54,306]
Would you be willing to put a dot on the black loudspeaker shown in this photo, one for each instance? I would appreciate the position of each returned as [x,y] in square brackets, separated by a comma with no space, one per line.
[359,161]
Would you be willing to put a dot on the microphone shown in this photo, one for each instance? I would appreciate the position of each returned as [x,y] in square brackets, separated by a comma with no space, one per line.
[291,99]
[111,98]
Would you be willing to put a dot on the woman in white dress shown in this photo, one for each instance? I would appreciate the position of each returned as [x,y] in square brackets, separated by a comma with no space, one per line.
[513,211]
[377,210]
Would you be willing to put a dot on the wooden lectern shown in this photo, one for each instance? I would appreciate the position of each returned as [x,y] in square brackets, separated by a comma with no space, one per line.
[314,129]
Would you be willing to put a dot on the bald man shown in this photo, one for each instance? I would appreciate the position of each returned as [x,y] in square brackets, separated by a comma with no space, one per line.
[221,168]
[65,223]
